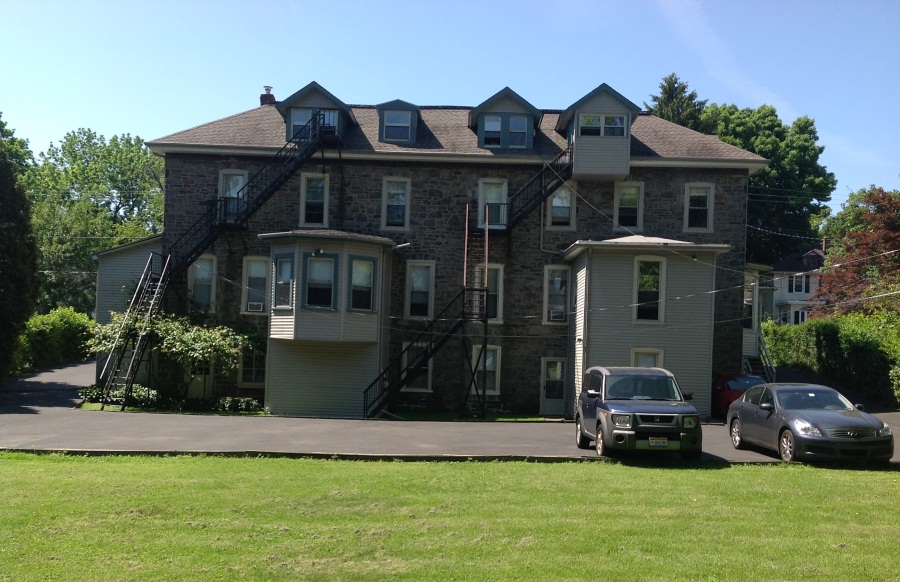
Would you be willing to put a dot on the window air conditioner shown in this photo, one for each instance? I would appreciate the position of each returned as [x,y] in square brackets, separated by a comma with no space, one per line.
[255,306]
[557,315]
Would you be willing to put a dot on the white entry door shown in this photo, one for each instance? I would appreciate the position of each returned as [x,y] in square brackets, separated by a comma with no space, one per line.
[553,386]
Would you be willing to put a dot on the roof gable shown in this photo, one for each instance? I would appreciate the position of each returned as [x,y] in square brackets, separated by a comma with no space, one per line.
[308,94]
[505,94]
[566,116]
[398,105]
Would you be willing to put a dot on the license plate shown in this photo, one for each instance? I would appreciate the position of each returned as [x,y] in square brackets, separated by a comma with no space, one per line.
[659,442]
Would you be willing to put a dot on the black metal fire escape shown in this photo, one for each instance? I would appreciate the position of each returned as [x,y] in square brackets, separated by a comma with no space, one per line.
[470,304]
[130,343]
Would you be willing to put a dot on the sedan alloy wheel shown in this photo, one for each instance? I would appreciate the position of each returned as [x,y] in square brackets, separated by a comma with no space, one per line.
[786,446]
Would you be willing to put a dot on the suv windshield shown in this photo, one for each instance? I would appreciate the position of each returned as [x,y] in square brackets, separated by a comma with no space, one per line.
[636,387]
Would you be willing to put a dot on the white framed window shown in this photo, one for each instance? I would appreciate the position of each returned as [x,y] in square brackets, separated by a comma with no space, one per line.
[492,131]
[614,125]
[419,289]
[518,131]
[561,209]
[252,372]
[320,281]
[647,358]
[284,280]
[422,380]
[590,124]
[231,182]
[698,207]
[492,200]
[487,372]
[799,283]
[628,214]
[362,284]
[649,289]
[397,125]
[255,285]
[801,315]
[556,294]
[553,378]
[395,203]
[202,283]
[314,200]
[328,121]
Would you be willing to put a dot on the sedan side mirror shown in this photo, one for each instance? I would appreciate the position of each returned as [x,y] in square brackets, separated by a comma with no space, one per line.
[767,406]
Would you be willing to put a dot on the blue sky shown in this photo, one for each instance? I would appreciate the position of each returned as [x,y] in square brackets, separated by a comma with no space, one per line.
[151,68]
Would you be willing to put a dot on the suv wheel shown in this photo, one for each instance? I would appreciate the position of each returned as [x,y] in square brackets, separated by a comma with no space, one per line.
[600,444]
[581,441]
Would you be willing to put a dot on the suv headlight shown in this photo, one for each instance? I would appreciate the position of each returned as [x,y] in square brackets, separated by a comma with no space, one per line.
[690,421]
[805,427]
[885,431]
[622,420]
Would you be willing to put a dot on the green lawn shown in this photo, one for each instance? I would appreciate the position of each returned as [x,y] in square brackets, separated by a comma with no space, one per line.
[214,518]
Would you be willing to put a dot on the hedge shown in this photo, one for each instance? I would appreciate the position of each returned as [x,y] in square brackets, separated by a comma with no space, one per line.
[55,338]
[856,353]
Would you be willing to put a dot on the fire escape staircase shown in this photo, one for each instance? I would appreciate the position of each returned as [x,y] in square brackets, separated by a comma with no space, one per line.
[470,304]
[229,212]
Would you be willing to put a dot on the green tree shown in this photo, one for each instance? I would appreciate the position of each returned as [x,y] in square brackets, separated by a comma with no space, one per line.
[862,271]
[674,103]
[18,252]
[835,227]
[790,192]
[90,194]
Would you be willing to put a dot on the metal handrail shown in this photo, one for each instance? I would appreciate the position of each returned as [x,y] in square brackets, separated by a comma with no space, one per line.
[536,190]
[764,356]
[397,375]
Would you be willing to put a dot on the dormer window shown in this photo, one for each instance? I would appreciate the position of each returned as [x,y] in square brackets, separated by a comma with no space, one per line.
[602,125]
[396,125]
[518,132]
[492,126]
[299,119]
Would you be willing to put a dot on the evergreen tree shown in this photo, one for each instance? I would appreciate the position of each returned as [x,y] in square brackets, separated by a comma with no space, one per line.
[674,103]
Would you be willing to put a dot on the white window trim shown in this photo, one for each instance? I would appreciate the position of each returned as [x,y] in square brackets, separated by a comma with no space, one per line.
[479,364]
[481,202]
[548,223]
[544,362]
[245,286]
[212,290]
[230,172]
[640,208]
[408,290]
[710,204]
[303,221]
[428,389]
[660,356]
[625,124]
[546,304]
[384,203]
[661,320]
[407,125]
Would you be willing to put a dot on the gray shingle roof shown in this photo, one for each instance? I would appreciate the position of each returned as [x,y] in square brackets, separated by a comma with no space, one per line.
[445,130]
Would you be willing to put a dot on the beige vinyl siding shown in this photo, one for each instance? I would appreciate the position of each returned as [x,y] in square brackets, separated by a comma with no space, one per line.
[316,379]
[507,105]
[118,273]
[597,156]
[685,337]
[281,325]
[579,329]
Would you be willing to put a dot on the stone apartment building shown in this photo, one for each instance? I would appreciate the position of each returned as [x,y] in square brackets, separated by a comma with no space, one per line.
[451,258]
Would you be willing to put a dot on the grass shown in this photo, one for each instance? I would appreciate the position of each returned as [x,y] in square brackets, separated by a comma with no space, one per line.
[215,518]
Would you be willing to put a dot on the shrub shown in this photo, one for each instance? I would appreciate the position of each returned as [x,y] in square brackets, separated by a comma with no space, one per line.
[55,338]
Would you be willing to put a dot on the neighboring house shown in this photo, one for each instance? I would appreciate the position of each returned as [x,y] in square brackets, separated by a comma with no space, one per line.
[796,279]
[445,257]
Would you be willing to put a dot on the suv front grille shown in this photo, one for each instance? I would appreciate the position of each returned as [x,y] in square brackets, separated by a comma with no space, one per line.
[658,419]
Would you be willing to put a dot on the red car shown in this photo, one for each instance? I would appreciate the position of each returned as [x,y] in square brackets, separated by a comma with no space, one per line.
[728,388]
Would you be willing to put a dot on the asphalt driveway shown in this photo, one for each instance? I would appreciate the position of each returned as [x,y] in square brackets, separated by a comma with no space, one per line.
[38,413]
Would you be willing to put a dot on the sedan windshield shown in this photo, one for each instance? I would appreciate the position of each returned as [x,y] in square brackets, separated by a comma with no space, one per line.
[634,387]
[812,399]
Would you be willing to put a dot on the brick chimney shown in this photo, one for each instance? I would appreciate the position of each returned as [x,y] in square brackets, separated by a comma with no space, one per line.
[267,98]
